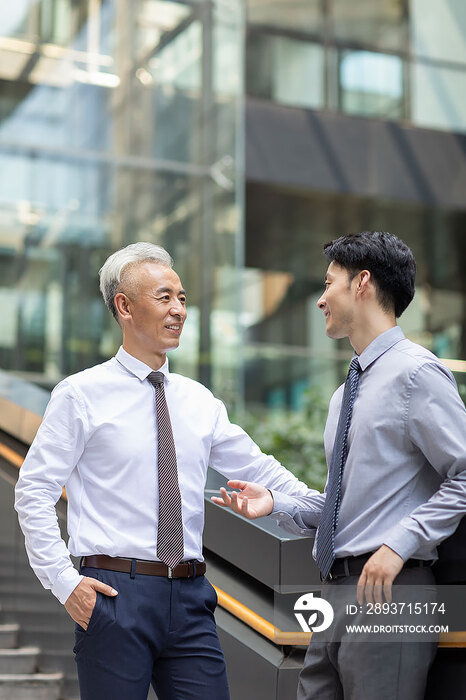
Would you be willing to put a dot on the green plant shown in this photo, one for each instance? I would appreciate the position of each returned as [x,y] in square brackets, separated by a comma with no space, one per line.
[295,438]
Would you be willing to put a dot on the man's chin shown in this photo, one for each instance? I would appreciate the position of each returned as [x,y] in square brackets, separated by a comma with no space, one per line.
[334,334]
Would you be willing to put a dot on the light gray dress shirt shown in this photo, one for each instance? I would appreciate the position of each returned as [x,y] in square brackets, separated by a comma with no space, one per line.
[404,482]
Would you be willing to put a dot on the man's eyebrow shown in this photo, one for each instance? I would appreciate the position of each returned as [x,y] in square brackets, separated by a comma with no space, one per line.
[162,290]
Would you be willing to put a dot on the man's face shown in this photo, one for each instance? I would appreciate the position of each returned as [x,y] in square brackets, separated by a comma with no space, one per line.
[337,302]
[158,307]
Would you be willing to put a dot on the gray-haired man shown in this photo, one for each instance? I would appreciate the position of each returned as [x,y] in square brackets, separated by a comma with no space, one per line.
[132,442]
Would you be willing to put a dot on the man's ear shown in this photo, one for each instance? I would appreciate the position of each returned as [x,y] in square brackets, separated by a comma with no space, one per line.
[123,305]
[363,281]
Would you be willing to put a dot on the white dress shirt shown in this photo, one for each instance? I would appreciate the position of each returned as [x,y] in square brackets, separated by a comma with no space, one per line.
[98,438]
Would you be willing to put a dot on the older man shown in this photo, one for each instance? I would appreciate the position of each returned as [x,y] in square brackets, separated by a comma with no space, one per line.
[132,442]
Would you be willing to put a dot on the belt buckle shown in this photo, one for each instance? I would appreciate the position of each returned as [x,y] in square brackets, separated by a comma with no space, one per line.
[326,579]
[169,571]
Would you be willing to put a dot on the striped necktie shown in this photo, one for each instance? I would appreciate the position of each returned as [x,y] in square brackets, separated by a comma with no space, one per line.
[325,545]
[170,545]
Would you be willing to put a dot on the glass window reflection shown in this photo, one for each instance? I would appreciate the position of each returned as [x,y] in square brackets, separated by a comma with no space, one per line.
[286,70]
[381,24]
[371,84]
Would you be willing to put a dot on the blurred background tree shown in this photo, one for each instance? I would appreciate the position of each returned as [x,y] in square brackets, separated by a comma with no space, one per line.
[295,438]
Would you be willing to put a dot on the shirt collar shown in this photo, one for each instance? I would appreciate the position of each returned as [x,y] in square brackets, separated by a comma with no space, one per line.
[379,345]
[138,368]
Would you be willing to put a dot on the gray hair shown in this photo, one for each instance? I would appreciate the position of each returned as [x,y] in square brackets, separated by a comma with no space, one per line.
[111,271]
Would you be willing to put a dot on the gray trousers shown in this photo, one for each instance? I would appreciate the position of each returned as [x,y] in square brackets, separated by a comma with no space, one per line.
[353,668]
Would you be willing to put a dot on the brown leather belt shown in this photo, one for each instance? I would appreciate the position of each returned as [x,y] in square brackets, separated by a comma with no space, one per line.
[187,569]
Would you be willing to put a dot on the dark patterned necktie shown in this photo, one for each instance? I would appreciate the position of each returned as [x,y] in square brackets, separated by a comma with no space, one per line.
[325,545]
[170,546]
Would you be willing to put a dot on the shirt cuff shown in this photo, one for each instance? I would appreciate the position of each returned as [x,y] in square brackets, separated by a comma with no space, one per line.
[65,583]
[290,525]
[404,542]
[283,503]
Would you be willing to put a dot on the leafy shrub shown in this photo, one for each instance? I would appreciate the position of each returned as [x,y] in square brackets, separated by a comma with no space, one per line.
[295,438]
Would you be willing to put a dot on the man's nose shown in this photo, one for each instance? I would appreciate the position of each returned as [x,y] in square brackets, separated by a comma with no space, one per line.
[178,309]
[321,302]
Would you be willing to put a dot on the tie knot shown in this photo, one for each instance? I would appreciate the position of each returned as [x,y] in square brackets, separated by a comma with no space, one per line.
[354,365]
[156,378]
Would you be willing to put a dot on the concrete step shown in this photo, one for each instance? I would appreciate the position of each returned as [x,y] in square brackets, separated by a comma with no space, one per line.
[19,661]
[34,686]
[14,557]
[30,604]
[37,618]
[57,660]
[26,577]
[15,563]
[20,599]
[47,637]
[70,688]
[51,660]
[25,590]
[9,636]
[10,546]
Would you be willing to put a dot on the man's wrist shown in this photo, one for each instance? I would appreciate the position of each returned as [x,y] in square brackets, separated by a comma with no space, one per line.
[273,501]
[65,584]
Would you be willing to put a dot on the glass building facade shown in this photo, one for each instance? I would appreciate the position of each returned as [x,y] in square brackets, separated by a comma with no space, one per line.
[120,120]
[356,120]
[241,136]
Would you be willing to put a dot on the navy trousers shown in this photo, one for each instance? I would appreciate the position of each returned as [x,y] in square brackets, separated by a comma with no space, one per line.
[156,630]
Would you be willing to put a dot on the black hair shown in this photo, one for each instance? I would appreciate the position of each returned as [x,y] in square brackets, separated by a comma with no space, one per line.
[389,260]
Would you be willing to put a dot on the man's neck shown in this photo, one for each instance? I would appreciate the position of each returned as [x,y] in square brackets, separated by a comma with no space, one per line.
[365,333]
[153,360]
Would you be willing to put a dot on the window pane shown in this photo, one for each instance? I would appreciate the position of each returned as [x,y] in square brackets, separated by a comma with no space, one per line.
[303,15]
[127,132]
[381,24]
[286,70]
[440,32]
[371,84]
[14,18]
[437,98]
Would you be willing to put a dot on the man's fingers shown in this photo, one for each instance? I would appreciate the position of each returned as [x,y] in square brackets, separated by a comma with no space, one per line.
[219,501]
[387,590]
[378,590]
[360,588]
[234,502]
[239,504]
[236,484]
[103,588]
[225,496]
[369,593]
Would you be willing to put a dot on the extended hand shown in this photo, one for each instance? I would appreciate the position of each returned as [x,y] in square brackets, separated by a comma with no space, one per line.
[81,602]
[253,501]
[378,575]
